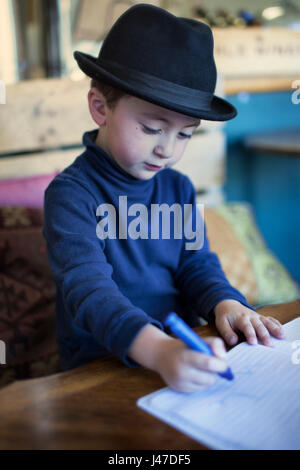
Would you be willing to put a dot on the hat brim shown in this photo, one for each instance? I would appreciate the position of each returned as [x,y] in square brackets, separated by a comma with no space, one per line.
[220,109]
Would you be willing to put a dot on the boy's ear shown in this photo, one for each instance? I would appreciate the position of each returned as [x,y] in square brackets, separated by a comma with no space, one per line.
[97,106]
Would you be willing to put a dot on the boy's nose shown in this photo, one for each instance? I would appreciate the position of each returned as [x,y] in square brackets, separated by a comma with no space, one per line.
[165,150]
[159,151]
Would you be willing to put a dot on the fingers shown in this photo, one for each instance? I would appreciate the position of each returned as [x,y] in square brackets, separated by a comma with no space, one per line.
[192,386]
[261,331]
[202,379]
[196,371]
[205,363]
[217,346]
[266,325]
[250,333]
[226,329]
[255,327]
[191,370]
[259,328]
[201,373]
[274,326]
[248,329]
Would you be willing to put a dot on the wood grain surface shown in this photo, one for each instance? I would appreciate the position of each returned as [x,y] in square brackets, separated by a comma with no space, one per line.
[94,406]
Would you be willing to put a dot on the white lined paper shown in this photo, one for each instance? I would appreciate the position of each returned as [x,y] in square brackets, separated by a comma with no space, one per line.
[259,409]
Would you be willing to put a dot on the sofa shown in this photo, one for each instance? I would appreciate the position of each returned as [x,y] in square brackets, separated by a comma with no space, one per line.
[27,291]
[43,147]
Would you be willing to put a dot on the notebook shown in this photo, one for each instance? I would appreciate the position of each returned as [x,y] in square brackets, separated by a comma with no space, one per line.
[259,409]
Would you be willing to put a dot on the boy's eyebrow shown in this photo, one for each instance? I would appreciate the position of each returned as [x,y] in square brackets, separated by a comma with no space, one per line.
[160,118]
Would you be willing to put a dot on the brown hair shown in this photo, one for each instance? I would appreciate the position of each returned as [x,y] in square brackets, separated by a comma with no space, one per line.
[110,93]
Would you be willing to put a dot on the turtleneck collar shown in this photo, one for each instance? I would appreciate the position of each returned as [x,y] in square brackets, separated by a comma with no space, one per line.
[109,168]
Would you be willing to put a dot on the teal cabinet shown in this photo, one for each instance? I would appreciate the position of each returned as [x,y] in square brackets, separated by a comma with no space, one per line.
[271,183]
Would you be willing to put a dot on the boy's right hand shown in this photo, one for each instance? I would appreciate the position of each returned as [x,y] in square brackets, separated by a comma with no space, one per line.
[183,369]
[187,371]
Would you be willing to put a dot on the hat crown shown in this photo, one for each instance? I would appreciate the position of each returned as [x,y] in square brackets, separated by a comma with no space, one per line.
[155,56]
[152,41]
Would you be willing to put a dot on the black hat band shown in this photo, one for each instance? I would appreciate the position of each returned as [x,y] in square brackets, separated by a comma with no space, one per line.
[195,99]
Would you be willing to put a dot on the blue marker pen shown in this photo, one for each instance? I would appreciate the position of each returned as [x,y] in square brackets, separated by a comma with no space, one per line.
[191,339]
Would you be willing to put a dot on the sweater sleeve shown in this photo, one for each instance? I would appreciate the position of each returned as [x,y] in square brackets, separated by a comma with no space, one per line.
[200,276]
[82,272]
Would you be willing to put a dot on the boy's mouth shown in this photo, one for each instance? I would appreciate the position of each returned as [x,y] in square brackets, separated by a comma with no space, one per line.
[152,167]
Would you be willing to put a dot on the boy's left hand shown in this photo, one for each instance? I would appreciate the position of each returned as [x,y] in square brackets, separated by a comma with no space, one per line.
[232,316]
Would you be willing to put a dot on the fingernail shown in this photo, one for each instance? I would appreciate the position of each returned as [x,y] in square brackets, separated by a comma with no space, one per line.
[252,340]
[232,340]
[221,352]
[279,328]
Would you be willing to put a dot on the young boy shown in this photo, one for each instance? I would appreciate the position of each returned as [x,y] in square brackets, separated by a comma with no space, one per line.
[153,81]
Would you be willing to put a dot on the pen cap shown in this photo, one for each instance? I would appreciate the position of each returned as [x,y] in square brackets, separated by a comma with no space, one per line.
[171,320]
[186,334]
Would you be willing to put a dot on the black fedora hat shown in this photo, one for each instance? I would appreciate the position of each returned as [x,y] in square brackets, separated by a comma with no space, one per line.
[161,58]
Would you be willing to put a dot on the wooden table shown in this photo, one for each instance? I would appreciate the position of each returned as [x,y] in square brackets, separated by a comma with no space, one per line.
[94,406]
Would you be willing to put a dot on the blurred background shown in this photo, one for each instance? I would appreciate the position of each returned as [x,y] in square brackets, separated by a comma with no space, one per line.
[253,158]
[38,36]
[246,171]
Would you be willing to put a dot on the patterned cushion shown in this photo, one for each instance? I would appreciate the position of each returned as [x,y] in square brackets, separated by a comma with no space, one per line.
[247,262]
[27,297]
[27,289]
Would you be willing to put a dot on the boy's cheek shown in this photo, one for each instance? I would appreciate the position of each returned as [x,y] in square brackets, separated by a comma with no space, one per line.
[123,153]
[176,158]
[132,150]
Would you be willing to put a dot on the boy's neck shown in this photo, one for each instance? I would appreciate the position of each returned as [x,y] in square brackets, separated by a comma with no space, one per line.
[101,143]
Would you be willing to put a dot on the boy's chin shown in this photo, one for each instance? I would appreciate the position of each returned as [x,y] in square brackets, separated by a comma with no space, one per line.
[143,175]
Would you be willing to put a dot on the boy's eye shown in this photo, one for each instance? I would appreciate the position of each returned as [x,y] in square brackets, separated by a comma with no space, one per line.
[185,136]
[148,130]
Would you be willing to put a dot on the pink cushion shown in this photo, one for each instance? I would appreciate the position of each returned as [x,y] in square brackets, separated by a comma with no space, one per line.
[28,191]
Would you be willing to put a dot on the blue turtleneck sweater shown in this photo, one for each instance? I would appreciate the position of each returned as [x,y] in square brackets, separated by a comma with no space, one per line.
[108,289]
